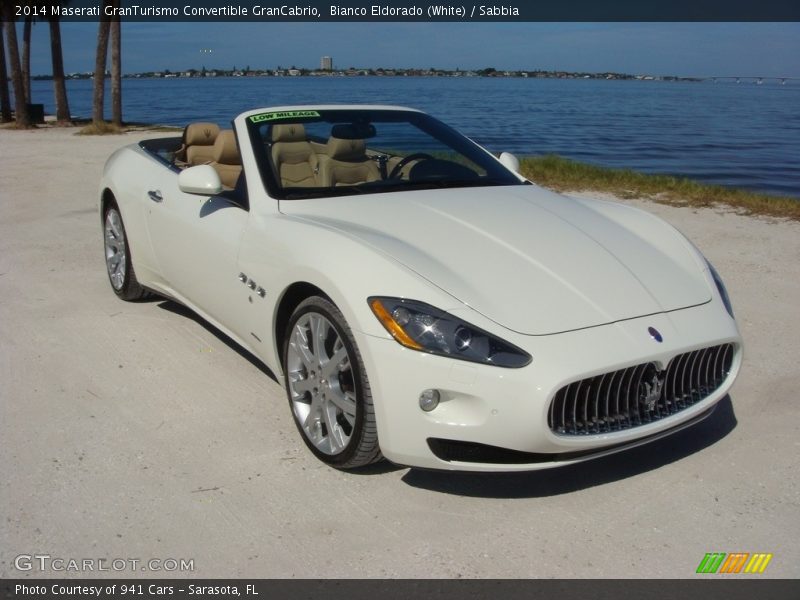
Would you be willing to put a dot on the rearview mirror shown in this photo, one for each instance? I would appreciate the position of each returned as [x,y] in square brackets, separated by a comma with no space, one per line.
[354,131]
[202,179]
[510,161]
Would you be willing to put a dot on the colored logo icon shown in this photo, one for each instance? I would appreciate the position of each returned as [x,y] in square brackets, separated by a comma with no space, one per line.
[733,563]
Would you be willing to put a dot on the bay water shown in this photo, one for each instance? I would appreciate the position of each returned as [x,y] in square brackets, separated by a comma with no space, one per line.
[741,135]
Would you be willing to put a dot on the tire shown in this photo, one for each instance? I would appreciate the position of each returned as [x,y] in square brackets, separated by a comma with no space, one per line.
[119,266]
[327,387]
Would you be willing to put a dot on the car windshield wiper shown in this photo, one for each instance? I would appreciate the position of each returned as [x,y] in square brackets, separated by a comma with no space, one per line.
[302,193]
[428,184]
[382,186]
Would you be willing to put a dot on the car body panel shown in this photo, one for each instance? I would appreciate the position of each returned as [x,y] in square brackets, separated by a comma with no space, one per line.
[522,272]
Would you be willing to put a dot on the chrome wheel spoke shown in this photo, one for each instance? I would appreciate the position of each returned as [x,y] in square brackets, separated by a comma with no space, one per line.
[319,332]
[346,402]
[300,384]
[300,345]
[332,366]
[312,419]
[337,438]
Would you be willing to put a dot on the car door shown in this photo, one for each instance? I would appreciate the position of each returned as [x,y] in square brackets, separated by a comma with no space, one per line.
[196,243]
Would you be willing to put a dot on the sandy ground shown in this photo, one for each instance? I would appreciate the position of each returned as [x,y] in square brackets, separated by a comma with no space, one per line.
[136,431]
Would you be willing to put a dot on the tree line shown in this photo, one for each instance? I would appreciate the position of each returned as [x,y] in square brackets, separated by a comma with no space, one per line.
[16,63]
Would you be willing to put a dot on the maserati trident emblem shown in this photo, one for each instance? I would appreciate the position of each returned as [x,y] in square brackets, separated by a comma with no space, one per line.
[650,387]
[655,334]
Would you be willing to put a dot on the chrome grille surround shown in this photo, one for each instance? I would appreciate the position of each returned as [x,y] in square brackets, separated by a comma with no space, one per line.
[640,394]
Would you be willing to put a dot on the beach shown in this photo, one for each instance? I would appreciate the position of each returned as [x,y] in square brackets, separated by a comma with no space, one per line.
[136,430]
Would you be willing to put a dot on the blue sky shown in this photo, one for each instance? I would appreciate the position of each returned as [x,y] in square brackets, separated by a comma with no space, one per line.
[686,49]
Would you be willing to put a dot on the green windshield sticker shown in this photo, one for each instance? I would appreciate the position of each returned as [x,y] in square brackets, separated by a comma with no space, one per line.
[287,114]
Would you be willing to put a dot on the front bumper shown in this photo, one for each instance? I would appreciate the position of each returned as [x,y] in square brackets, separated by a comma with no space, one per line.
[506,409]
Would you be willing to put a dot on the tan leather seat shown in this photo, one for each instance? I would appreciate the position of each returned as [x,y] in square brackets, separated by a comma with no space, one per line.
[226,158]
[198,143]
[295,160]
[346,163]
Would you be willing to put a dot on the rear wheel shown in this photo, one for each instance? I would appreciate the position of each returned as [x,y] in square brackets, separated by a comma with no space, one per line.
[118,257]
[327,386]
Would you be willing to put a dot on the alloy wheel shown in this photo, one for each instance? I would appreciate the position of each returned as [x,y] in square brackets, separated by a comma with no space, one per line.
[321,383]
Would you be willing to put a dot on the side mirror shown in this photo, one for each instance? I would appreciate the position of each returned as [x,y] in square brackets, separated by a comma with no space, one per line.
[202,179]
[510,161]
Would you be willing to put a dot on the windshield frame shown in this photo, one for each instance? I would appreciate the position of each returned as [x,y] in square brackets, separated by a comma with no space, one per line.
[496,173]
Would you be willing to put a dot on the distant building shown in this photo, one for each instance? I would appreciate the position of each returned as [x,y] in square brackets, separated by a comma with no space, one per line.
[326,63]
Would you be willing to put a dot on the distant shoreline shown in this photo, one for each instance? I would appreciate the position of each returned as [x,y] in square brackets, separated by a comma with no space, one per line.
[488,73]
[382,72]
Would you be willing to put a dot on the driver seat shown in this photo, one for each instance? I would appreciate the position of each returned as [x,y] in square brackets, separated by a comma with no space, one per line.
[226,159]
[346,163]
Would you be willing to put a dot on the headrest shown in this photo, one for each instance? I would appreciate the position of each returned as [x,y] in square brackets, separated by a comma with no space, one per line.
[225,150]
[200,134]
[340,149]
[290,132]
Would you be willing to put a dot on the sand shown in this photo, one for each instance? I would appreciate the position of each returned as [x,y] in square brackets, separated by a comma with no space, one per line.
[135,431]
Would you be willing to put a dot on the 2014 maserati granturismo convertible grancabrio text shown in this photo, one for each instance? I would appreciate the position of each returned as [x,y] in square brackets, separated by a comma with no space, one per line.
[420,299]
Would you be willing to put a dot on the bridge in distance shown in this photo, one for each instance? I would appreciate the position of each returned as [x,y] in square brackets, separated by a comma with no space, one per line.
[759,80]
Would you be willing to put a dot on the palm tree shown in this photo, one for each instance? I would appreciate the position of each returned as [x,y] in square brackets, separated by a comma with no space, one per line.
[26,57]
[20,106]
[59,84]
[5,96]
[116,68]
[100,71]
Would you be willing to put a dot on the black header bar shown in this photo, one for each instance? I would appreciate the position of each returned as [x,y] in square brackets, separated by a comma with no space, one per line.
[409,10]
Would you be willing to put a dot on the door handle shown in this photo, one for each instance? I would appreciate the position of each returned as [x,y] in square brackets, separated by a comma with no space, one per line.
[155,195]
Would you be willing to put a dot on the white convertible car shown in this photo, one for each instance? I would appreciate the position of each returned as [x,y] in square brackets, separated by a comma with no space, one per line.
[420,299]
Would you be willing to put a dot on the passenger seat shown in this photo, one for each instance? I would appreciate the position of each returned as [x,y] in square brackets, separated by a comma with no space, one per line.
[198,143]
[295,160]
[226,158]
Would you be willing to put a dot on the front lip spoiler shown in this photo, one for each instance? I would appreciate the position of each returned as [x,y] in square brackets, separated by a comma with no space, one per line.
[457,451]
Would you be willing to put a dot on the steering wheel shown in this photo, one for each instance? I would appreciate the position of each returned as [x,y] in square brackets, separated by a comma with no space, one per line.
[404,161]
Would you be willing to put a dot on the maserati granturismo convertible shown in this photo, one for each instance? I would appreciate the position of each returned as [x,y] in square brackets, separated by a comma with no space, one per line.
[420,300]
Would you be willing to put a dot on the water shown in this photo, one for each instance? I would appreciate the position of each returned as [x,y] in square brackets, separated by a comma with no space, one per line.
[741,135]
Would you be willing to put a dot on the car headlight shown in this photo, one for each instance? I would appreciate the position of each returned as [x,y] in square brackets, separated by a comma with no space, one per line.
[422,327]
[723,292]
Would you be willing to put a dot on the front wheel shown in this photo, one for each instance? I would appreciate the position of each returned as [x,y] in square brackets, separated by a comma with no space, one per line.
[327,386]
[118,257]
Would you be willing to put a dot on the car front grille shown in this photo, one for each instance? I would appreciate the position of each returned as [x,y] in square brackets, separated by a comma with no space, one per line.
[639,394]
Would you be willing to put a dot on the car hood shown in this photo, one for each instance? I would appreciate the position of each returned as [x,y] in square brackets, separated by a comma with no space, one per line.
[530,260]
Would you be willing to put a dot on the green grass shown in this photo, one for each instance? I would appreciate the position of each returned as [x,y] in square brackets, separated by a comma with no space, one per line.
[108,128]
[101,128]
[562,174]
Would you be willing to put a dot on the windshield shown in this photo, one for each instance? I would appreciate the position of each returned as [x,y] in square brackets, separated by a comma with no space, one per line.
[315,153]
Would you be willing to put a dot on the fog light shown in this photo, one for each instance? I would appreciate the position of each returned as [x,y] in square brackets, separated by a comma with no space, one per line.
[428,400]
